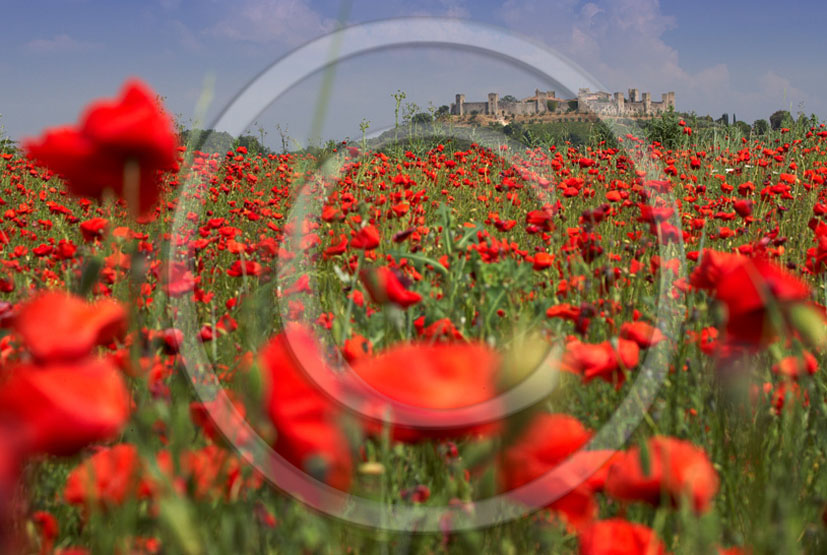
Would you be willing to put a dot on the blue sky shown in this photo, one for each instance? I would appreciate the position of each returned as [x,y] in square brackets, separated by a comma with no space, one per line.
[749,58]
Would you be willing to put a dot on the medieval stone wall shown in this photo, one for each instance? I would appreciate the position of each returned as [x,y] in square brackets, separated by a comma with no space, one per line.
[587,102]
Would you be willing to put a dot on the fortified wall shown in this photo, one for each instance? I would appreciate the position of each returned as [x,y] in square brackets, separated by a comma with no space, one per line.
[587,102]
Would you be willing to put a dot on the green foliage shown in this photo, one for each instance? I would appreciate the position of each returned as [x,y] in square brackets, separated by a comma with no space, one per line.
[760,127]
[253,144]
[603,134]
[781,118]
[743,127]
[422,117]
[552,105]
[509,98]
[666,129]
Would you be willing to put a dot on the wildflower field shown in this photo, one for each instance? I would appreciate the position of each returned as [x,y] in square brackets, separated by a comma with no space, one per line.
[190,342]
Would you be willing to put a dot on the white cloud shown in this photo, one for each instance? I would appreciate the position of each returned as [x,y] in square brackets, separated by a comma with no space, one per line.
[290,22]
[60,43]
[186,38]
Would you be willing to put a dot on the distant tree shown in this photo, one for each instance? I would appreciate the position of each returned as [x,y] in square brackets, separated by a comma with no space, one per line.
[780,118]
[442,110]
[252,144]
[760,127]
[724,119]
[743,127]
[572,105]
[509,98]
[206,140]
[421,117]
[552,105]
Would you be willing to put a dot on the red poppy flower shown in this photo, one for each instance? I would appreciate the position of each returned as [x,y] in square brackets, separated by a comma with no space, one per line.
[616,536]
[432,377]
[384,287]
[107,478]
[366,238]
[57,326]
[93,230]
[676,468]
[356,347]
[64,407]
[793,367]
[601,360]
[245,268]
[442,329]
[177,279]
[48,527]
[747,287]
[305,419]
[336,248]
[548,441]
[96,155]
[642,333]
[542,260]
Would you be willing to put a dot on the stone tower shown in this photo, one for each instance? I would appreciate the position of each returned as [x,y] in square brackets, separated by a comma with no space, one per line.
[634,95]
[460,105]
[647,103]
[493,103]
[668,100]
[620,103]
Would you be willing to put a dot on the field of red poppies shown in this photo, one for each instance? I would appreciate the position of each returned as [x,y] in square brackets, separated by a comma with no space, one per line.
[441,347]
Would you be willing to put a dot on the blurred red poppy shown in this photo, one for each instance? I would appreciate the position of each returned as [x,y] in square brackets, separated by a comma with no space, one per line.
[601,360]
[58,326]
[642,333]
[548,441]
[748,287]
[670,467]
[96,155]
[61,408]
[107,478]
[384,287]
[616,536]
[432,377]
[366,238]
[305,420]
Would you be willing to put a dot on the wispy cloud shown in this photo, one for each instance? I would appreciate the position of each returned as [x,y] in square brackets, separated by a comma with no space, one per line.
[60,43]
[289,22]
[186,37]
